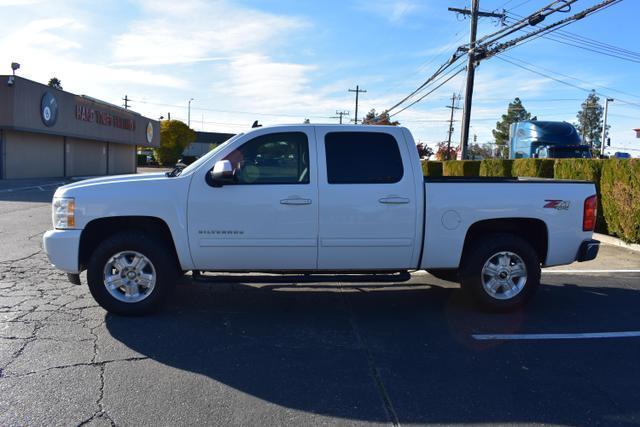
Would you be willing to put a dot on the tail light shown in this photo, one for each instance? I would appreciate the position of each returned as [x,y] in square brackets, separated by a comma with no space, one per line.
[590,212]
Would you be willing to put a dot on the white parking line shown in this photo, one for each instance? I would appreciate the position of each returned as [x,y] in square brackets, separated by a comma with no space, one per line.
[580,336]
[33,187]
[588,271]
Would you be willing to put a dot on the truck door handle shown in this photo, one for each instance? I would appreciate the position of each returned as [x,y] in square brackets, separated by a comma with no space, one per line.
[296,201]
[394,200]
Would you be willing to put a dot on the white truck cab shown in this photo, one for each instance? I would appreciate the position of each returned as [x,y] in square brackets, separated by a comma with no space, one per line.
[316,198]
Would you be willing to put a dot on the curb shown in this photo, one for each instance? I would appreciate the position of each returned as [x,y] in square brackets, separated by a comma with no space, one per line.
[610,240]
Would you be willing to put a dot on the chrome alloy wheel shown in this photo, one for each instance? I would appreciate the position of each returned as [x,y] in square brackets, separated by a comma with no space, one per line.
[129,276]
[504,275]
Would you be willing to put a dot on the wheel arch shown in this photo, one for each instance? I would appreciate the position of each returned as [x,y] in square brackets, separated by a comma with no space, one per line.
[101,228]
[532,230]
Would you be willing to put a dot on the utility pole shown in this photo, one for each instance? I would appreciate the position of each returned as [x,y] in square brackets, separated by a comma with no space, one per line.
[339,115]
[358,91]
[453,107]
[126,102]
[604,125]
[474,13]
[189,113]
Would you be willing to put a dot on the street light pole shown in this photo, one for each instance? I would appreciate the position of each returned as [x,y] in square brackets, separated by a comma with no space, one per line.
[604,125]
[189,113]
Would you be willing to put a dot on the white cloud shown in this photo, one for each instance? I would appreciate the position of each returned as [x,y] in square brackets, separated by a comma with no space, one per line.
[7,3]
[395,11]
[400,9]
[194,30]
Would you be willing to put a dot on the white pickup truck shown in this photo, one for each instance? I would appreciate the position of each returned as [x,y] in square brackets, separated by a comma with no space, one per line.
[316,198]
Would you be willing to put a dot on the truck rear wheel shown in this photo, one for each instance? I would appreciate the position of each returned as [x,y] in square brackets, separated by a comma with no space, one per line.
[131,273]
[500,271]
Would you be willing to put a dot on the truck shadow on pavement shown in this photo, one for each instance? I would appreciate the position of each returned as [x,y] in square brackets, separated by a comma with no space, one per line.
[404,353]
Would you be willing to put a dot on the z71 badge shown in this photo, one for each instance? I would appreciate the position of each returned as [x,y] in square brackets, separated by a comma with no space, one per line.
[561,205]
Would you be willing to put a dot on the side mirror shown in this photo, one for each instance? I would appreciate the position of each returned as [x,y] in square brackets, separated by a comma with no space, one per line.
[222,173]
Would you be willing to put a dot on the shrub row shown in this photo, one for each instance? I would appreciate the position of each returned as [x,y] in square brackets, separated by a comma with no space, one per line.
[536,168]
[620,195]
[617,184]
[461,168]
[496,167]
[587,170]
[432,168]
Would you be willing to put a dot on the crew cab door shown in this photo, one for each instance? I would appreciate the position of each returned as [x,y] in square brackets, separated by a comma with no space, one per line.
[368,201]
[267,219]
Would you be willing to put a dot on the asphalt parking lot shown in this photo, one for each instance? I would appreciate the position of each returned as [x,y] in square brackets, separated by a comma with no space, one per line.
[265,350]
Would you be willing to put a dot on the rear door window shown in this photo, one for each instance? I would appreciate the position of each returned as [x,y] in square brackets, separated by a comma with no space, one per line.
[362,158]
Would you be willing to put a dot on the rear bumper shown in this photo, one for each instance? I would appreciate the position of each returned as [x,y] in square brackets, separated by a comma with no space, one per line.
[588,250]
[62,247]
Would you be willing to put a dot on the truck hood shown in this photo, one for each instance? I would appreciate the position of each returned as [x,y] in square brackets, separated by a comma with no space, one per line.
[152,195]
[105,180]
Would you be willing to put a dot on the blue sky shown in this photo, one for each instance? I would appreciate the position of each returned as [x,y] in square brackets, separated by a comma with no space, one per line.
[283,61]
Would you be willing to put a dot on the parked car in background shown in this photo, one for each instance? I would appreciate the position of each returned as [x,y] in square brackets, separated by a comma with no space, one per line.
[621,155]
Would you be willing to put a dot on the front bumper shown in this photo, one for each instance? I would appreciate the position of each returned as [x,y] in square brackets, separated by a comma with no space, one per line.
[62,247]
[588,250]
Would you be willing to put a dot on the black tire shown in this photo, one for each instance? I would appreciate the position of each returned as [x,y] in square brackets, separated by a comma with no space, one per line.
[448,274]
[483,249]
[154,249]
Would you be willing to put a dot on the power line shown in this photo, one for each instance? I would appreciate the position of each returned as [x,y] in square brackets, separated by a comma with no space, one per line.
[561,81]
[251,113]
[533,19]
[431,78]
[453,107]
[504,55]
[549,28]
[591,45]
[455,40]
[430,92]
[474,14]
[521,4]
[339,115]
[357,91]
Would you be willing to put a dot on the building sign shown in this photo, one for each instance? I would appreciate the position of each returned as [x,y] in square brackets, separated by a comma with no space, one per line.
[104,118]
[149,132]
[48,109]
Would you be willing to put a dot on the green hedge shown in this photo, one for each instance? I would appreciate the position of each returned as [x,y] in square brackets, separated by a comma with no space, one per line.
[461,168]
[617,184]
[496,167]
[583,169]
[537,168]
[142,159]
[431,168]
[620,189]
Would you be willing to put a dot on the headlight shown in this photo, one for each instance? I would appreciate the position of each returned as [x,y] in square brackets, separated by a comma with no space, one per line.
[64,209]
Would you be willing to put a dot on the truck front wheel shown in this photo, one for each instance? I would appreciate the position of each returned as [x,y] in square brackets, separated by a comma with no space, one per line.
[131,273]
[500,271]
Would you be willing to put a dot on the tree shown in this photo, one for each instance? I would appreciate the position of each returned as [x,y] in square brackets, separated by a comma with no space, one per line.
[378,119]
[441,152]
[424,150]
[515,113]
[55,83]
[478,152]
[175,136]
[590,120]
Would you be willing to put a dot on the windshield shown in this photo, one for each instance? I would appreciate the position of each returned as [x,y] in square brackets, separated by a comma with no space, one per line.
[195,165]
